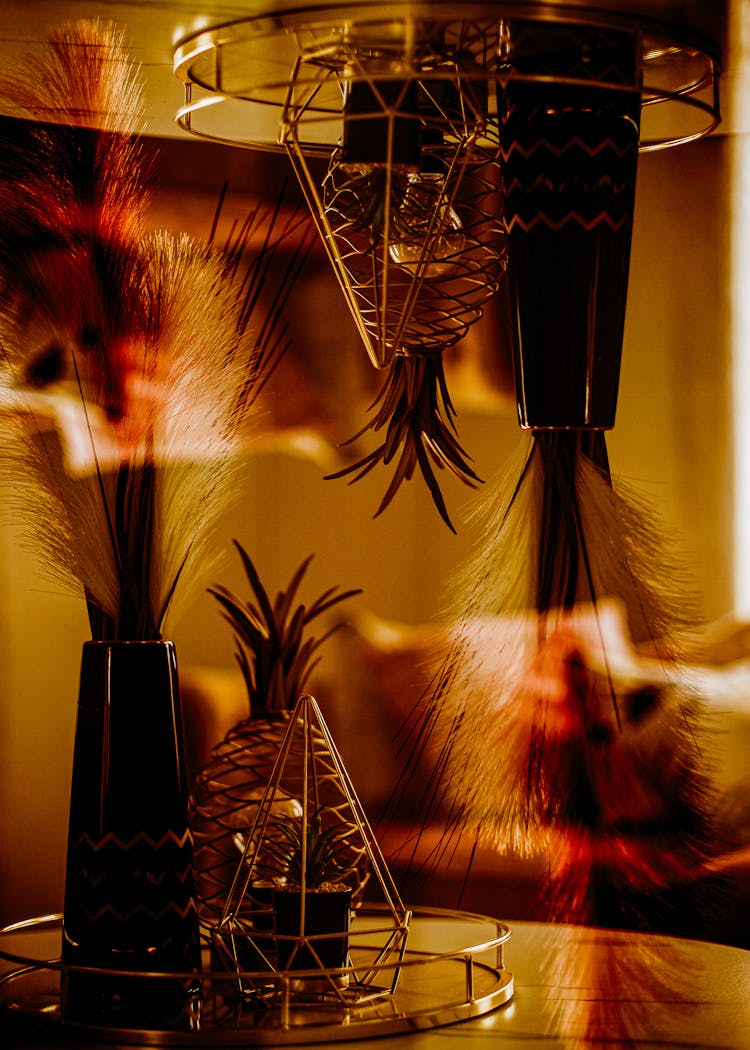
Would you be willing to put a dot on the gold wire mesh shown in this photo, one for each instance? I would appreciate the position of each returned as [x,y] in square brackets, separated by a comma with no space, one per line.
[410,209]
[453,268]
[224,804]
[252,933]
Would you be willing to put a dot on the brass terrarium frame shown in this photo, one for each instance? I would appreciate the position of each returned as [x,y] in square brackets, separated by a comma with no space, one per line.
[309,776]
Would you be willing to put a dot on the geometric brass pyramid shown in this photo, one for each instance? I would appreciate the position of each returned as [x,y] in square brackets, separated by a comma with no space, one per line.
[310,791]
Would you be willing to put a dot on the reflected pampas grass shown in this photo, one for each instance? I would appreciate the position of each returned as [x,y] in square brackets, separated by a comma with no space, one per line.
[73,194]
[148,335]
[615,990]
[559,716]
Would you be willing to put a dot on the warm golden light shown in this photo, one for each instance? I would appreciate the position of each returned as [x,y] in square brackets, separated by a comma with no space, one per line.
[740,298]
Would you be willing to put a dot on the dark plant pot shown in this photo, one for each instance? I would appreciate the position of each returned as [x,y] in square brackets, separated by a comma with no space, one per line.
[325,926]
[129,890]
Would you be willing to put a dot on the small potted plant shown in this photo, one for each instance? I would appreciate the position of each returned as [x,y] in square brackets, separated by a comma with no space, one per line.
[311,862]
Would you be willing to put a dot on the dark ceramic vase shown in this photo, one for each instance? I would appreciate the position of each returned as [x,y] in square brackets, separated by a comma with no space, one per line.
[129,891]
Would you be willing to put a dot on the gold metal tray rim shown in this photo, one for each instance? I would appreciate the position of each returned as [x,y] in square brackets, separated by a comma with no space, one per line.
[438,1011]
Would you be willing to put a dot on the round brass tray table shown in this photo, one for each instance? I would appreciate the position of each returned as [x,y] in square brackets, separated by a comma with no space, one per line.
[452,970]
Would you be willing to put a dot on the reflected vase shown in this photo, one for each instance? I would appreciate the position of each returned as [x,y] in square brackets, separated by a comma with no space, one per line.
[569,139]
[129,892]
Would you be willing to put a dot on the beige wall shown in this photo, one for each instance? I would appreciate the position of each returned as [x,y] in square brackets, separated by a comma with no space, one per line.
[674,427]
[672,437]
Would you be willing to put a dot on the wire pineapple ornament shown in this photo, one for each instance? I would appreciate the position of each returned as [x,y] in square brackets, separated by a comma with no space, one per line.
[411,202]
[276,653]
[409,211]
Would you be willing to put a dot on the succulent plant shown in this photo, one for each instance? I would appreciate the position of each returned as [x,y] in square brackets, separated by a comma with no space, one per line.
[318,857]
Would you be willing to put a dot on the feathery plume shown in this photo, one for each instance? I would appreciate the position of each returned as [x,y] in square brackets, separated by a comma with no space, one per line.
[73,191]
[155,331]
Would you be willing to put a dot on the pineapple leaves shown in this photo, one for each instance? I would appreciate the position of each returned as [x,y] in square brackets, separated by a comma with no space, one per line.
[415,408]
[266,615]
[324,602]
[272,650]
[284,599]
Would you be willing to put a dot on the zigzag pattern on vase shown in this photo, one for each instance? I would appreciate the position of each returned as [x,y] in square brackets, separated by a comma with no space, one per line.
[517,185]
[603,219]
[621,152]
[141,839]
[155,880]
[140,910]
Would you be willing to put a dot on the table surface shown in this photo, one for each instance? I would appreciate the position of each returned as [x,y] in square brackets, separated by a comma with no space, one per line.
[584,987]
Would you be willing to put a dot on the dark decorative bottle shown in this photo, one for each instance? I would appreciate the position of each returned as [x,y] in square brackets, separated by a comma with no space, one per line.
[129,894]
